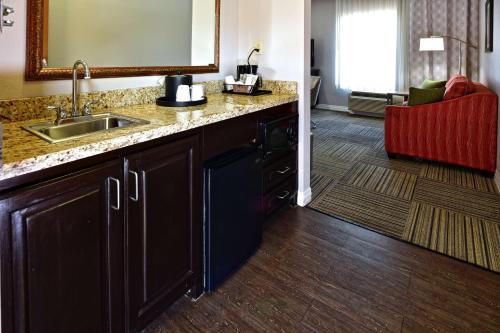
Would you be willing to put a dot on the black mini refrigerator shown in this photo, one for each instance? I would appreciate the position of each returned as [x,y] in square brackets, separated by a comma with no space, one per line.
[233,215]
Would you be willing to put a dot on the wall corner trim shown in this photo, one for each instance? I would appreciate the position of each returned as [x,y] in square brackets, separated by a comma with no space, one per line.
[304,198]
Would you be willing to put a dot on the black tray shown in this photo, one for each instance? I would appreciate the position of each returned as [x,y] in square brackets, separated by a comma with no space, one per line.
[163,101]
[255,93]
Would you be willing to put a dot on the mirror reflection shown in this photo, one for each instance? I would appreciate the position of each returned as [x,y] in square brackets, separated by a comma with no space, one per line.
[126,33]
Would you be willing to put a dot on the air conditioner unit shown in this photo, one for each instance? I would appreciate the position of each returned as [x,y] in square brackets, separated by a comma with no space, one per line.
[370,104]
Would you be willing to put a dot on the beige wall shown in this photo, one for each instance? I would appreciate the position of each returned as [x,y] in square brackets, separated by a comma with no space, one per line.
[323,31]
[284,28]
[103,31]
[490,65]
[13,48]
[273,24]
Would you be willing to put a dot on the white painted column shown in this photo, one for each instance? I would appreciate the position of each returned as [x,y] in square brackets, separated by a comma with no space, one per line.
[304,181]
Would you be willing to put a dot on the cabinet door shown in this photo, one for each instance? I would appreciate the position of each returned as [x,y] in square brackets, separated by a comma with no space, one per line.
[164,227]
[62,255]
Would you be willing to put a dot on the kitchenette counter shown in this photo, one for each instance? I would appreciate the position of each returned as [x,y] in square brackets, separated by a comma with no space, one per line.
[113,194]
[24,153]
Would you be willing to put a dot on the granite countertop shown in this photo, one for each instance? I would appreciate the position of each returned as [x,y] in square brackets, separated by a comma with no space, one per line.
[24,153]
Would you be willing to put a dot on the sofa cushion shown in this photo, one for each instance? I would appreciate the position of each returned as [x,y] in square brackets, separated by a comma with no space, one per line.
[419,96]
[429,84]
[457,86]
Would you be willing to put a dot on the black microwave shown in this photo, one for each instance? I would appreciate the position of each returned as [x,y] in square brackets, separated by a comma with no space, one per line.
[279,136]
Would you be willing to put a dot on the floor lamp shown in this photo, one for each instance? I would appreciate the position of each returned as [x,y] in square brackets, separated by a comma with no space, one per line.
[436,43]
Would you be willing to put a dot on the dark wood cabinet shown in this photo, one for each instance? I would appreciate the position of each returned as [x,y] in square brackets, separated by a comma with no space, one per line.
[164,227]
[108,248]
[61,255]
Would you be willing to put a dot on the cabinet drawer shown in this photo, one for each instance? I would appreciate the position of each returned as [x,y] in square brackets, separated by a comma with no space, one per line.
[280,196]
[230,134]
[279,171]
[280,111]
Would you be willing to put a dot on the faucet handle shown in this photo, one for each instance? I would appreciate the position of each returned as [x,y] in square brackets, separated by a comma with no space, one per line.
[60,113]
[87,107]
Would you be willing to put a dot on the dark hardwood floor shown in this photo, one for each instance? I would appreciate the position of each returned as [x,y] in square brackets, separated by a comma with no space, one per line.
[314,273]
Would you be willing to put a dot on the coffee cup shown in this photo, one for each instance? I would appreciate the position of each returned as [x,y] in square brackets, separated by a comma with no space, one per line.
[183,93]
[197,92]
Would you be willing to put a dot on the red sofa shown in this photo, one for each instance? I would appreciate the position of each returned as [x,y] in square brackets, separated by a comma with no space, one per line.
[461,131]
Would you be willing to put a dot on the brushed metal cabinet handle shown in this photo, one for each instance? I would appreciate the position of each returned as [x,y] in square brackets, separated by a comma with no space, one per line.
[136,177]
[118,197]
[282,172]
[285,195]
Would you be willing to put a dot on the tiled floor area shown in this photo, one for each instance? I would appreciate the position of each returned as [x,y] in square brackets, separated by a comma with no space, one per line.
[451,210]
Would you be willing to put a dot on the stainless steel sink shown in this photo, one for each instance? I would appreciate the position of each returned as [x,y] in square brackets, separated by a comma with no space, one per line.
[74,128]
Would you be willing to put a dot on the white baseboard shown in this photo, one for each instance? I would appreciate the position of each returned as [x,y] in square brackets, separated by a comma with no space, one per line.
[304,198]
[497,179]
[332,107]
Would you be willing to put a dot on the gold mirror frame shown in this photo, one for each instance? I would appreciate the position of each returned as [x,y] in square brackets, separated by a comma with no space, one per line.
[37,40]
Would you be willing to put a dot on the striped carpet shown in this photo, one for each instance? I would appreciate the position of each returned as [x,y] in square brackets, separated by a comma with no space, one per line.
[450,210]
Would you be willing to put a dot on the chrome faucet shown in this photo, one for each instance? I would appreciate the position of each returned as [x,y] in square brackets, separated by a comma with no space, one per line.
[78,63]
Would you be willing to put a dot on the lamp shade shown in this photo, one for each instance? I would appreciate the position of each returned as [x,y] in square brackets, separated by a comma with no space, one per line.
[432,44]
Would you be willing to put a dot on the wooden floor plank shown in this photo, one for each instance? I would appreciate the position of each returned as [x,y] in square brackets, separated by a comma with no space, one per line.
[322,319]
[172,320]
[370,314]
[314,273]
[423,262]
[388,290]
[463,310]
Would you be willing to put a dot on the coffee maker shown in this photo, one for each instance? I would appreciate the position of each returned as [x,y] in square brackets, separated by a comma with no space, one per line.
[249,69]
[173,82]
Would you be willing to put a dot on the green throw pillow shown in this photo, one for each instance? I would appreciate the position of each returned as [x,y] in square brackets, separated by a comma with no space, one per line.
[425,96]
[430,84]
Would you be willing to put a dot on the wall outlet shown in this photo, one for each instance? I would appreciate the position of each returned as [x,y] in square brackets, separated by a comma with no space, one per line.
[260,46]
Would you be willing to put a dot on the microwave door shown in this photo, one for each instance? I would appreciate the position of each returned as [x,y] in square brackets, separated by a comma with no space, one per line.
[278,138]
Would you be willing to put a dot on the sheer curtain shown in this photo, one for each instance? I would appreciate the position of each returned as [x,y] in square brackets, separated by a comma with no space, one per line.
[369,51]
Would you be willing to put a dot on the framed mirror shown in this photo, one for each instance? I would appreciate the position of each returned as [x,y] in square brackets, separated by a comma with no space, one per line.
[120,38]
